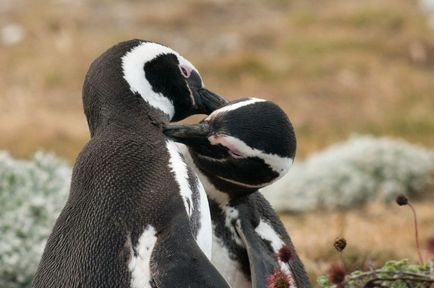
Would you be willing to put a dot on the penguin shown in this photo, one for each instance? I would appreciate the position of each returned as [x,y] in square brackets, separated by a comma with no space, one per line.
[136,215]
[237,150]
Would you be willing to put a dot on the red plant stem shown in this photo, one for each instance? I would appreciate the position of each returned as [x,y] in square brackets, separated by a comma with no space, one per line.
[343,260]
[416,234]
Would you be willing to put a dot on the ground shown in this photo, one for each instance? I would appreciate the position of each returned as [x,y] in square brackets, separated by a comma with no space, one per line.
[336,67]
[376,233]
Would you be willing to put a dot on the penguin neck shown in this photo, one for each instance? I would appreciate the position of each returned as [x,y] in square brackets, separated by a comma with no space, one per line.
[219,191]
[126,117]
[234,192]
[219,197]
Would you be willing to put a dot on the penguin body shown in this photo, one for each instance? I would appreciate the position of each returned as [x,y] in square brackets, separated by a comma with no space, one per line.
[238,149]
[134,216]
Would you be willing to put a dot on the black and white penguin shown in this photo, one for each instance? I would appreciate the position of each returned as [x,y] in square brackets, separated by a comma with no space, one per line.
[238,149]
[135,210]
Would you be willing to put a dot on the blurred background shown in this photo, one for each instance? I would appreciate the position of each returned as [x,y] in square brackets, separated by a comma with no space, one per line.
[356,73]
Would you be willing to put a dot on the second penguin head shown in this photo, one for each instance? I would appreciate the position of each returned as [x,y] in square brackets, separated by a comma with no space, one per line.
[241,147]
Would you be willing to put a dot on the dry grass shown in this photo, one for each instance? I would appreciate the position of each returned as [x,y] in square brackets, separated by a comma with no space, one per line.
[337,67]
[375,234]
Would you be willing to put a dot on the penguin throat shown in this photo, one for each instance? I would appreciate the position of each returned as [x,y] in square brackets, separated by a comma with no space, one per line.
[224,185]
[232,189]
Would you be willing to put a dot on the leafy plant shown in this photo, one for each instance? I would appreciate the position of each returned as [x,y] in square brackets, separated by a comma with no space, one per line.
[394,273]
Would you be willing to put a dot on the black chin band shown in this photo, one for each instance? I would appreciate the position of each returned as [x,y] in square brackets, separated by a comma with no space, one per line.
[233,190]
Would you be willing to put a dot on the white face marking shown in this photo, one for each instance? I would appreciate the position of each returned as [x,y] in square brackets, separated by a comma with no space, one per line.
[139,265]
[132,65]
[266,232]
[234,106]
[179,168]
[277,163]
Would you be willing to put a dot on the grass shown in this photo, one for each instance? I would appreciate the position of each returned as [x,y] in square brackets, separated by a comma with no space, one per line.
[336,67]
[375,234]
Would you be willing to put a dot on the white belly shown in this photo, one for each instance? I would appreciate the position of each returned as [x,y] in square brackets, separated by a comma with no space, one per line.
[227,267]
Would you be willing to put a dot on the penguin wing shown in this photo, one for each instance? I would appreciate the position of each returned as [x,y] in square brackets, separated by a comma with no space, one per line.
[266,212]
[178,261]
[262,261]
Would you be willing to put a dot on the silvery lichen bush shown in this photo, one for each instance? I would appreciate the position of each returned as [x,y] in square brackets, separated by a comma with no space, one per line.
[348,174]
[32,193]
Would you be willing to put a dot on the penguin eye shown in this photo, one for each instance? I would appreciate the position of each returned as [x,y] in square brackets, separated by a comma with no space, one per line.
[185,70]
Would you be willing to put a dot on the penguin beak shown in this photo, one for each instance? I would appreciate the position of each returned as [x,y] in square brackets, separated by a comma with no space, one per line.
[187,133]
[208,101]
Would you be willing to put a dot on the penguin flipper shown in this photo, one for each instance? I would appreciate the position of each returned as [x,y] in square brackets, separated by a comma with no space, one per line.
[261,262]
[178,261]
[295,265]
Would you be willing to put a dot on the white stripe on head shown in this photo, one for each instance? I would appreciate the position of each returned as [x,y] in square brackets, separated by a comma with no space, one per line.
[234,106]
[132,65]
[277,163]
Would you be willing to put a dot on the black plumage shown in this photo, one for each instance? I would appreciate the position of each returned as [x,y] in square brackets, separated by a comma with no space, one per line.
[255,130]
[121,184]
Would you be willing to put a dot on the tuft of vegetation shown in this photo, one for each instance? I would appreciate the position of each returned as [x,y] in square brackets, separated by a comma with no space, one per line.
[355,172]
[394,273]
[32,194]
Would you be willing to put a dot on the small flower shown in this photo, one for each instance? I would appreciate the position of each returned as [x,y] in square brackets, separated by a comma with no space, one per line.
[401,200]
[340,244]
[278,279]
[285,253]
[336,273]
[430,245]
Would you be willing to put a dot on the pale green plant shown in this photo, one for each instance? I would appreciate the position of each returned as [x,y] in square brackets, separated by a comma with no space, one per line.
[32,193]
[360,170]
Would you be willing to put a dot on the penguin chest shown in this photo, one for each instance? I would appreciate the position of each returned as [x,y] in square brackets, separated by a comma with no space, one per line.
[228,265]
[194,198]
[229,255]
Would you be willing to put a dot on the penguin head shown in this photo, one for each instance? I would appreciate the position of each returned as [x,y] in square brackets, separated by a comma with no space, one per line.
[242,146]
[138,77]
